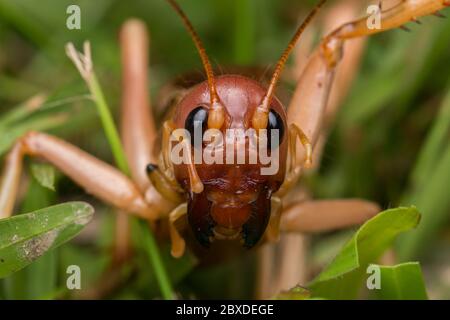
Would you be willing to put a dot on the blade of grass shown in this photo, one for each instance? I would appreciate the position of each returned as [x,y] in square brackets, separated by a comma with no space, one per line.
[434,144]
[10,12]
[156,261]
[108,125]
[9,136]
[83,62]
[429,185]
[433,201]
[244,31]
[23,110]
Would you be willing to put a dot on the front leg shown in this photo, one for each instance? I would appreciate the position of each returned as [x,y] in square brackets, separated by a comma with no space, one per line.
[96,177]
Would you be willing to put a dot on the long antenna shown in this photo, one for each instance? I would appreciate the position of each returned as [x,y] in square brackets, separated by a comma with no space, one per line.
[216,115]
[261,115]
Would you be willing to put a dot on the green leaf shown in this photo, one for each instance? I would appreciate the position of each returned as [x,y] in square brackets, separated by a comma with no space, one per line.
[26,237]
[402,282]
[39,278]
[44,174]
[342,279]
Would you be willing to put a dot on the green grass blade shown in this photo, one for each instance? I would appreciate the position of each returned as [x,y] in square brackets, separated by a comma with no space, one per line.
[9,136]
[244,32]
[433,200]
[26,237]
[14,15]
[429,184]
[434,145]
[155,259]
[116,146]
[21,111]
[108,125]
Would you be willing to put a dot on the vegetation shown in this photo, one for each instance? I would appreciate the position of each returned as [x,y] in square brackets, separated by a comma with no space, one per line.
[389,144]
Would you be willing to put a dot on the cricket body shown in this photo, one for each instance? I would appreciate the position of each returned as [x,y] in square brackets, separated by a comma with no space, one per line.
[219,200]
[235,200]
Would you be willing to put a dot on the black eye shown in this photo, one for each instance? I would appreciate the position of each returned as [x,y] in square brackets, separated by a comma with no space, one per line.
[275,123]
[197,123]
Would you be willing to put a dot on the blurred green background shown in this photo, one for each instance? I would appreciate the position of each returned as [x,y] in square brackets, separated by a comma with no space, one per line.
[389,142]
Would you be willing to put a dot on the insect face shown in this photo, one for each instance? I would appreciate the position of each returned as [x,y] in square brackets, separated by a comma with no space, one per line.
[235,201]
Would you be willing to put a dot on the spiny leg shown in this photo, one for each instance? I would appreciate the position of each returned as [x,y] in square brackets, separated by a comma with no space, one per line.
[346,71]
[393,17]
[315,83]
[340,13]
[96,177]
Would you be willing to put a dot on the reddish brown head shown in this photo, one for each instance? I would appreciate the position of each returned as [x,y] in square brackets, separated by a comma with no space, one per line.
[232,198]
[235,200]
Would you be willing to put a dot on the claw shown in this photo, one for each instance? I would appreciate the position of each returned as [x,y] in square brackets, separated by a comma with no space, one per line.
[439,15]
[404,28]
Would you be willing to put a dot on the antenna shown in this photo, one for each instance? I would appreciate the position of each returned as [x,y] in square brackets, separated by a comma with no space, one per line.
[216,115]
[261,115]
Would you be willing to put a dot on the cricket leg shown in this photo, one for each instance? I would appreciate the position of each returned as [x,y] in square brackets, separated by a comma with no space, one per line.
[291,263]
[346,71]
[265,272]
[138,128]
[394,16]
[314,85]
[122,239]
[178,243]
[326,215]
[273,228]
[294,166]
[96,177]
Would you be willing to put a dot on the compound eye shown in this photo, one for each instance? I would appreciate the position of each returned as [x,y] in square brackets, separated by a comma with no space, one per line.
[197,123]
[274,124]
